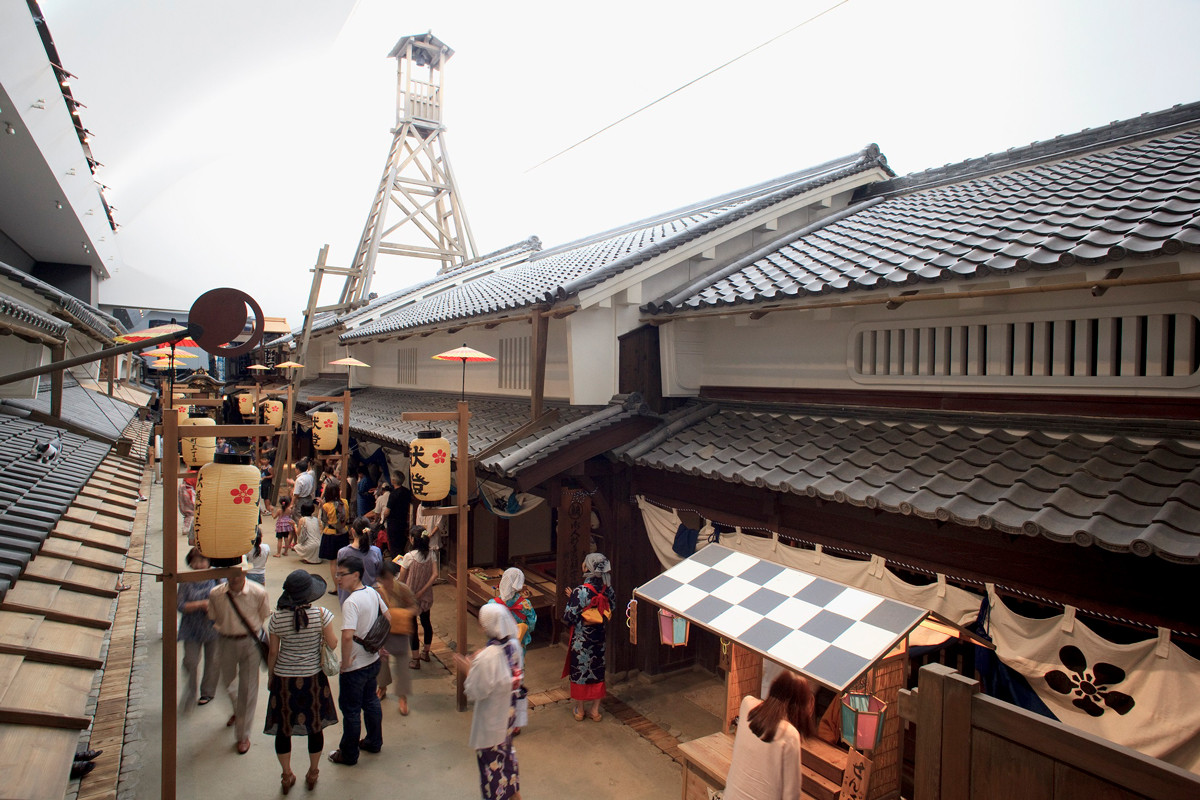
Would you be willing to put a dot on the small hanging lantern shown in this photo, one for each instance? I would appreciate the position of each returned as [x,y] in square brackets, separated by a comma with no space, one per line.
[245,404]
[226,508]
[429,466]
[325,430]
[197,450]
[862,720]
[273,413]
[673,630]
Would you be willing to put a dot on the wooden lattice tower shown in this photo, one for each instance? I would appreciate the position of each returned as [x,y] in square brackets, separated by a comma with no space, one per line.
[417,210]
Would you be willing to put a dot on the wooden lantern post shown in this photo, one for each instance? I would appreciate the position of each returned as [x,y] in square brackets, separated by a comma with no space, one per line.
[463,477]
[344,435]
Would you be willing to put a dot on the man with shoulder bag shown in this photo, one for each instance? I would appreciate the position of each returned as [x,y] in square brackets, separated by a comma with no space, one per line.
[361,637]
[239,609]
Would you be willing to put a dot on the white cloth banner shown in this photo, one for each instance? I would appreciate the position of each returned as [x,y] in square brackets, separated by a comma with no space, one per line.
[1136,695]
[497,500]
[955,604]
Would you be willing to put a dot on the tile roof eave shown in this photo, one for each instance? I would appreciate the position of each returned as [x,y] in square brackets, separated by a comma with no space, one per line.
[29,316]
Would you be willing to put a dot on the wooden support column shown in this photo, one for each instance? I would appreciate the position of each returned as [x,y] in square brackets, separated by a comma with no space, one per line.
[537,346]
[112,368]
[170,505]
[57,353]
[574,535]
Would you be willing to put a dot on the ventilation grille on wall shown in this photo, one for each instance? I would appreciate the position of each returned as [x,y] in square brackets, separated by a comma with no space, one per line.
[1123,349]
[514,363]
[406,366]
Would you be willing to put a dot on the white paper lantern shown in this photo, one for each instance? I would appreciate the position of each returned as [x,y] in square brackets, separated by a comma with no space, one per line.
[273,413]
[226,508]
[245,404]
[325,430]
[197,450]
[429,466]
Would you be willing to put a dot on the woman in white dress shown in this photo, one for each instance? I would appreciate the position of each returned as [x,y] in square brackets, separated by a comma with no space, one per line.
[766,750]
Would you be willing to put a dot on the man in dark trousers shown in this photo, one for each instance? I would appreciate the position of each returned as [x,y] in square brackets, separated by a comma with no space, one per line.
[396,515]
[360,669]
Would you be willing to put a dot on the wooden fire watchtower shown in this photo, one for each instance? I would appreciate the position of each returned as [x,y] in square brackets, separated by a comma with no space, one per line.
[417,189]
[417,180]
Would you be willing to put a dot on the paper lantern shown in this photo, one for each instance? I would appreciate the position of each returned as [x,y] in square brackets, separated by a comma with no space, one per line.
[226,508]
[325,430]
[245,404]
[673,630]
[429,466]
[181,412]
[862,720]
[197,450]
[273,413]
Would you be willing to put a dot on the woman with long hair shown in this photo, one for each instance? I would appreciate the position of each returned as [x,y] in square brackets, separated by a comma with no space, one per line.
[360,545]
[766,750]
[257,560]
[589,605]
[419,570]
[335,527]
[402,612]
[300,702]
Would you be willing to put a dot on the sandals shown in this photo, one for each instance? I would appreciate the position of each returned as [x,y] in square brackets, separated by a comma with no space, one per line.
[286,782]
[579,715]
[205,700]
[425,653]
[310,778]
[414,663]
[402,706]
[596,717]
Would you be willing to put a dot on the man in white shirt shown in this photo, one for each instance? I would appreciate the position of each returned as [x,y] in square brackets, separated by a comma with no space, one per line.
[240,656]
[359,668]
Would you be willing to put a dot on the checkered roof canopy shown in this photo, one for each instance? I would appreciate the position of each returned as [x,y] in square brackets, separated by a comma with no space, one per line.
[828,631]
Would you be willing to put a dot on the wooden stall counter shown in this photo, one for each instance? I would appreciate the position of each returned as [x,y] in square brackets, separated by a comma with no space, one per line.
[706,766]
[484,584]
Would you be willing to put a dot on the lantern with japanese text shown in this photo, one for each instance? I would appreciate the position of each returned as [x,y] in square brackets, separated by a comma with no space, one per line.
[429,466]
[226,508]
[325,430]
[245,404]
[273,413]
[197,450]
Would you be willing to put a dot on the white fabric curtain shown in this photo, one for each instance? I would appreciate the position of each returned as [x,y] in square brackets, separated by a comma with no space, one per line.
[955,604]
[1137,695]
[496,498]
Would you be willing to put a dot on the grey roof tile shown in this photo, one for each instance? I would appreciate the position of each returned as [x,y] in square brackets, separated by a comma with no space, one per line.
[1082,481]
[93,321]
[104,416]
[990,216]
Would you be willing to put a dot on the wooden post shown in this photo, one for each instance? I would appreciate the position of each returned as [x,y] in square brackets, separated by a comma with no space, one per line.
[170,690]
[345,465]
[112,367]
[57,353]
[541,326]
[943,752]
[574,534]
[460,584]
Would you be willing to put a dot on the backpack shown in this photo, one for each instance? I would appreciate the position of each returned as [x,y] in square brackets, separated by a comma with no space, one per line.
[339,519]
[373,640]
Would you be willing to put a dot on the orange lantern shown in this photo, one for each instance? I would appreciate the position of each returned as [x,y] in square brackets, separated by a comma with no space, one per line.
[429,466]
[245,404]
[325,430]
[226,508]
[197,450]
[273,413]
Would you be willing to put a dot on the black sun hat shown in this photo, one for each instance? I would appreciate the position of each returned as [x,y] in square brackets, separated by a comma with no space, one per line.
[301,588]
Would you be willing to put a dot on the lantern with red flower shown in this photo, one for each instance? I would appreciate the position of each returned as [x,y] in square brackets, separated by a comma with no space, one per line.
[429,466]
[325,430]
[226,508]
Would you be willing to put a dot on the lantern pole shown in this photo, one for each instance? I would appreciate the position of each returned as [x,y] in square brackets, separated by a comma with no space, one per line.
[170,691]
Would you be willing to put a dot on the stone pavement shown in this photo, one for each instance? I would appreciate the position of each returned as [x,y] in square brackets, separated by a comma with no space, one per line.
[630,754]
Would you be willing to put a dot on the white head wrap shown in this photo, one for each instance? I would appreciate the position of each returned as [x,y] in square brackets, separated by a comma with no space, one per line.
[595,565]
[511,582]
[497,621]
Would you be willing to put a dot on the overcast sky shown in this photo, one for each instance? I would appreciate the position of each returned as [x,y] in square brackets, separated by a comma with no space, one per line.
[239,136]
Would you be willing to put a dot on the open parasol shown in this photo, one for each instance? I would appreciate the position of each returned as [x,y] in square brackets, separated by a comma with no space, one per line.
[290,365]
[158,330]
[463,354]
[257,367]
[166,363]
[349,361]
[166,352]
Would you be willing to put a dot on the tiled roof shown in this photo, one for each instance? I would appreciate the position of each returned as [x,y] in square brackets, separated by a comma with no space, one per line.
[1120,485]
[323,386]
[1136,198]
[82,408]
[561,272]
[28,315]
[376,413]
[96,322]
[621,409]
[35,495]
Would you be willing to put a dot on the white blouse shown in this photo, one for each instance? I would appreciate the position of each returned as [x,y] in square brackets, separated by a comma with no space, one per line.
[489,686]
[763,770]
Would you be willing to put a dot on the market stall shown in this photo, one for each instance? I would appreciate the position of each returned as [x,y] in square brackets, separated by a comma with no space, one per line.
[846,639]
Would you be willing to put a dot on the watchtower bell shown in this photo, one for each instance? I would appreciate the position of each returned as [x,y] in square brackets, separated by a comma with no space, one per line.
[420,62]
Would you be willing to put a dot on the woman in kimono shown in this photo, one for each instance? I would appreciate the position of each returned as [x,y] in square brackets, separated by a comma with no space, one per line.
[491,679]
[589,606]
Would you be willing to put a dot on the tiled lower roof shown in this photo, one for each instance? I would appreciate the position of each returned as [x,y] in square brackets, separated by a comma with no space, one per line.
[376,413]
[17,311]
[1135,199]
[1119,490]
[82,408]
[320,387]
[99,324]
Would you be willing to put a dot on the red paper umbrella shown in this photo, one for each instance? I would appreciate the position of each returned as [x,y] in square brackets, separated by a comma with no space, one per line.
[463,354]
[159,330]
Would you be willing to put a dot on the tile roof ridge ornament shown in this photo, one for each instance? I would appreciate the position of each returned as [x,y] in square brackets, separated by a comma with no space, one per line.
[1148,125]
[671,303]
[701,411]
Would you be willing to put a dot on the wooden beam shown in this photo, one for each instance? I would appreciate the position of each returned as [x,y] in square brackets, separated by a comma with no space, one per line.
[537,354]
[57,353]
[51,657]
[42,719]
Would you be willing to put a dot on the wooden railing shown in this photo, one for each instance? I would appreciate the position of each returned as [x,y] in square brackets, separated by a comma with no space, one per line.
[973,747]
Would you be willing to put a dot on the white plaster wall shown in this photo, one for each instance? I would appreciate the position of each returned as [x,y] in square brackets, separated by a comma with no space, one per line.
[811,349]
[16,355]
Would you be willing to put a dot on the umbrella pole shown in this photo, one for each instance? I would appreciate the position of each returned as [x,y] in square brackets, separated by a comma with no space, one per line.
[464,380]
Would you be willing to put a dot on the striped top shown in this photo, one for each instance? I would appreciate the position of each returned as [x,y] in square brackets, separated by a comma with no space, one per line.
[298,654]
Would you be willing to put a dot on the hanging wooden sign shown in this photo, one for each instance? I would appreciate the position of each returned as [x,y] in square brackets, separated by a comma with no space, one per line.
[856,780]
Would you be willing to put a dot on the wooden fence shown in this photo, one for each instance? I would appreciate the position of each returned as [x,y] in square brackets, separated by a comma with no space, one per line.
[973,747]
